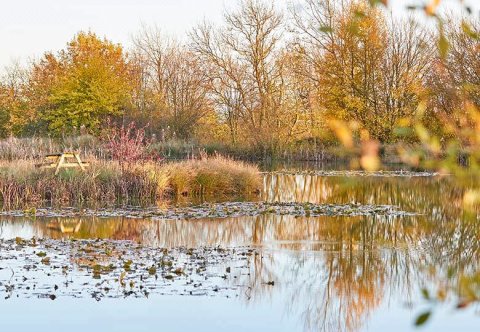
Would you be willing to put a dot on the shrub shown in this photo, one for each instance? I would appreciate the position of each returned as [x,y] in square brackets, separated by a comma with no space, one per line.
[127,144]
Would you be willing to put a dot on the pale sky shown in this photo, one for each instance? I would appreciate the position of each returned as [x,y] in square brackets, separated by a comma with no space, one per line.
[28,28]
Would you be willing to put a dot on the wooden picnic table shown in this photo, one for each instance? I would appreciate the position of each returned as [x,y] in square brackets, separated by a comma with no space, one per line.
[63,160]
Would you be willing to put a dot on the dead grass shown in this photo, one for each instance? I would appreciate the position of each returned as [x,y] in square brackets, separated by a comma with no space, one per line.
[105,182]
[22,184]
[14,148]
[213,175]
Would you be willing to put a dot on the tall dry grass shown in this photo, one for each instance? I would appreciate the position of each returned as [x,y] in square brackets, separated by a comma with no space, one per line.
[22,184]
[34,148]
[213,175]
[105,182]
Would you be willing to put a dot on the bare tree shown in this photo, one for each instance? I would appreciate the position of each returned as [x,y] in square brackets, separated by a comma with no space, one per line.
[171,87]
[246,74]
[406,64]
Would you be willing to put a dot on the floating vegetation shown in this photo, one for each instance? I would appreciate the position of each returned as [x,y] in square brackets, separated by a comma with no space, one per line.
[117,269]
[336,173]
[223,210]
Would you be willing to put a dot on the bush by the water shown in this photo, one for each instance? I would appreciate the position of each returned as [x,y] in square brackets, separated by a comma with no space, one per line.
[213,175]
[106,182]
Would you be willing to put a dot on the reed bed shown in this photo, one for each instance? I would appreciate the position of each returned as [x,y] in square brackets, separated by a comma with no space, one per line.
[213,175]
[33,148]
[105,182]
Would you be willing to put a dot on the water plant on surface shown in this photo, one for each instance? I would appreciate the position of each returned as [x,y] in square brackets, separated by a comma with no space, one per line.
[128,270]
[224,210]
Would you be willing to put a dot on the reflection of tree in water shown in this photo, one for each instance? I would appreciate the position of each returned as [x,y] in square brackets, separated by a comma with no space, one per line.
[452,247]
[331,271]
[339,284]
[356,276]
[423,195]
[296,188]
[334,271]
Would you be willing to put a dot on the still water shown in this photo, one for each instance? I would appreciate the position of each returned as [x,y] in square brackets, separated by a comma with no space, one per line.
[363,273]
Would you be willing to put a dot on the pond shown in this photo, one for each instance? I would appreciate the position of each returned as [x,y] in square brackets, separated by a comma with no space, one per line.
[269,271]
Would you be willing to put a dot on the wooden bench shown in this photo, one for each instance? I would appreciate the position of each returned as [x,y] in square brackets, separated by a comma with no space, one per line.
[63,160]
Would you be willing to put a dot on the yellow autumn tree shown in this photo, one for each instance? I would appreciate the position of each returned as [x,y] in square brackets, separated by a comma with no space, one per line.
[364,66]
[14,112]
[87,81]
[351,66]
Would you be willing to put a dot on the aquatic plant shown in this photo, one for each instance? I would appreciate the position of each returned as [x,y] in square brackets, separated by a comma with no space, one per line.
[129,270]
[221,210]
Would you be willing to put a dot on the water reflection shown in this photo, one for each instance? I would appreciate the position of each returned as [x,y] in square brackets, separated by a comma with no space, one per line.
[332,273]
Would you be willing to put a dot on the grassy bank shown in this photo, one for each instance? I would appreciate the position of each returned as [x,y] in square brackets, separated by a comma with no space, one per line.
[23,185]
[92,147]
[34,147]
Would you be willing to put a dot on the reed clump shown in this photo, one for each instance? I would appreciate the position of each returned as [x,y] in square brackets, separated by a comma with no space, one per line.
[213,175]
[107,182]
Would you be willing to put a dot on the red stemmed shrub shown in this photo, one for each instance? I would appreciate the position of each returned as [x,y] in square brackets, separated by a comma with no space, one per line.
[127,144]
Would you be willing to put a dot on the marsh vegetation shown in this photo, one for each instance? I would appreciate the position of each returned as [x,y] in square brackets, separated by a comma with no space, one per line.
[169,207]
[106,183]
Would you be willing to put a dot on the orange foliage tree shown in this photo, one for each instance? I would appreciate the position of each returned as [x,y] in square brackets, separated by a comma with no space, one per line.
[87,81]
